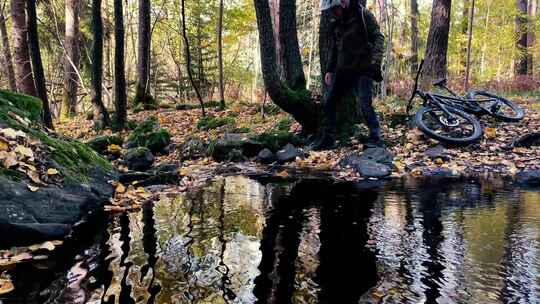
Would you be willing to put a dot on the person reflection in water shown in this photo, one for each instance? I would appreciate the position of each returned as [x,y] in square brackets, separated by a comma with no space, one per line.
[346,268]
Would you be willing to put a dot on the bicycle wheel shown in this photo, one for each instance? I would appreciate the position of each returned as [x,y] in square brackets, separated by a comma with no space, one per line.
[462,129]
[498,107]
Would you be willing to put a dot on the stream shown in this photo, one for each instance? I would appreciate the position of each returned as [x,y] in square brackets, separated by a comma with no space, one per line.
[308,240]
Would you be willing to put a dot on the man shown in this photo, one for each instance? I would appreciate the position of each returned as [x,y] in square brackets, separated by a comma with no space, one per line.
[355,63]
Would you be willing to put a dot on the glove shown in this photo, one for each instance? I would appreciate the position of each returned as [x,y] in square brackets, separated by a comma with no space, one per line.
[375,72]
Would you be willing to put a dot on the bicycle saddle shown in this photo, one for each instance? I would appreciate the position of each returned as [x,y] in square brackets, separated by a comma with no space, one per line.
[440,83]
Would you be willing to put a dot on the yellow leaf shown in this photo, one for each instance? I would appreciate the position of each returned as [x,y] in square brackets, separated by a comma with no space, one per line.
[439,161]
[52,171]
[283,174]
[24,151]
[9,159]
[4,146]
[32,188]
[114,149]
[49,246]
[120,188]
[34,176]
[11,133]
[491,133]
[6,286]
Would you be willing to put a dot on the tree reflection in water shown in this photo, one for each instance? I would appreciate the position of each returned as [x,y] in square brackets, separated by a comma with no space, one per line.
[240,240]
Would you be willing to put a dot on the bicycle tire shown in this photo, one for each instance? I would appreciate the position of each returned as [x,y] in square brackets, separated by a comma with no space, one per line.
[475,123]
[520,113]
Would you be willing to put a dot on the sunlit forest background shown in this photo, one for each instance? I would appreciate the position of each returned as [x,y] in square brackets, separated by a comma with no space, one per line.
[493,58]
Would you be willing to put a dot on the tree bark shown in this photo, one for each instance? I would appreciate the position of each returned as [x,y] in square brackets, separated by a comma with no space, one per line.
[220,55]
[414,36]
[188,59]
[23,68]
[143,65]
[69,106]
[35,54]
[101,116]
[469,45]
[531,37]
[120,98]
[298,103]
[465,13]
[437,42]
[291,60]
[520,67]
[7,61]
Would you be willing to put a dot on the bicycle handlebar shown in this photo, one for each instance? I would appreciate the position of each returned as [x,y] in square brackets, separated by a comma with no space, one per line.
[415,90]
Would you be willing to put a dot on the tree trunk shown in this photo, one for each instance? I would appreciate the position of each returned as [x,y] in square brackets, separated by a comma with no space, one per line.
[143,65]
[23,68]
[120,98]
[531,37]
[220,55]
[101,116]
[291,60]
[437,42]
[414,36]
[35,54]
[188,59]
[469,46]
[7,61]
[69,107]
[297,102]
[520,67]
[465,13]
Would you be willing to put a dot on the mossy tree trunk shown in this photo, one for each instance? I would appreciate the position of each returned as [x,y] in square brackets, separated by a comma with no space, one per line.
[7,61]
[69,105]
[142,94]
[23,68]
[35,54]
[286,93]
[101,116]
[120,98]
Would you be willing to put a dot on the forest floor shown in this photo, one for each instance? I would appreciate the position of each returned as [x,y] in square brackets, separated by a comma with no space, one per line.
[415,154]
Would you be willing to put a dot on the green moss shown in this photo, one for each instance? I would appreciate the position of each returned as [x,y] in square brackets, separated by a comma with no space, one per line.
[284,124]
[276,139]
[210,123]
[33,106]
[158,141]
[11,174]
[75,160]
[242,130]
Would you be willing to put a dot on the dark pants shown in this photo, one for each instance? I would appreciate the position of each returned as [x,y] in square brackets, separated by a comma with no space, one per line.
[341,87]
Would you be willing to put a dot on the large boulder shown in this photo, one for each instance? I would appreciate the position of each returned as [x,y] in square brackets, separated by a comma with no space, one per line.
[288,153]
[47,182]
[139,159]
[374,162]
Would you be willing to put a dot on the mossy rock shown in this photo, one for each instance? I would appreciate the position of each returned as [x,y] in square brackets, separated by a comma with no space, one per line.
[275,139]
[101,143]
[211,123]
[158,141]
[139,159]
[75,160]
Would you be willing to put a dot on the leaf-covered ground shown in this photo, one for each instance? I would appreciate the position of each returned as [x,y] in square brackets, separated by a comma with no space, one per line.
[492,154]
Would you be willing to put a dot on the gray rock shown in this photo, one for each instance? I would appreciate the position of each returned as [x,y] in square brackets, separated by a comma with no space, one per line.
[266,156]
[139,159]
[529,178]
[101,143]
[30,217]
[287,154]
[379,155]
[369,168]
[438,172]
[193,149]
[236,156]
[437,152]
[242,142]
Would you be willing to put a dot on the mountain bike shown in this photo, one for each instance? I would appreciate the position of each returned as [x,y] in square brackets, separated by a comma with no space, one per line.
[451,118]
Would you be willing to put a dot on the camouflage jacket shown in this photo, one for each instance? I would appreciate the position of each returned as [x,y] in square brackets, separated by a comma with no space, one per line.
[358,42]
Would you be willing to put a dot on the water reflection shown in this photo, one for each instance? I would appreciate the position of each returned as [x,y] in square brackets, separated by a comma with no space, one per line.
[315,241]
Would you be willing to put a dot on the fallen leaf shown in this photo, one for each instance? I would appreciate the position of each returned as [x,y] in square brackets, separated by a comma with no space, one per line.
[4,146]
[114,149]
[120,188]
[32,188]
[24,151]
[52,171]
[283,174]
[6,286]
[34,176]
[12,133]
[491,133]
[49,246]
